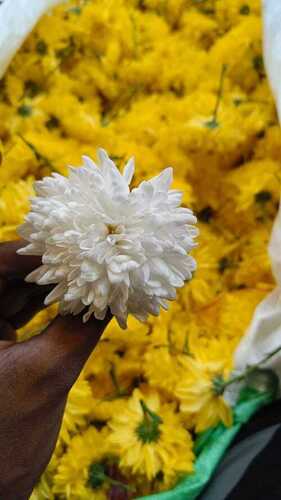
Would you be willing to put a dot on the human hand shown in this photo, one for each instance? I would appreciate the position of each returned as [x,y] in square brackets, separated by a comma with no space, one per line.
[35,376]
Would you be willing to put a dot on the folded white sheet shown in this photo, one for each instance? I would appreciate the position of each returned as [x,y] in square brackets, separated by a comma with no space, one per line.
[272,46]
[17,19]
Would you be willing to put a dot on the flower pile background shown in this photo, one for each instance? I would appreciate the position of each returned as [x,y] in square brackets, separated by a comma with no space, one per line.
[172,82]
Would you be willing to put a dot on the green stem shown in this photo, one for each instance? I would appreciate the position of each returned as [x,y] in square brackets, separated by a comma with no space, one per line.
[238,101]
[114,482]
[220,91]
[170,342]
[213,123]
[149,413]
[114,378]
[268,356]
[233,380]
[250,369]
[37,154]
[186,349]
[102,477]
[120,392]
[173,351]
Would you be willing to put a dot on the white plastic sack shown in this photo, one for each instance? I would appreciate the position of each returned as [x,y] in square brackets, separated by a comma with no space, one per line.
[272,47]
[264,333]
[17,19]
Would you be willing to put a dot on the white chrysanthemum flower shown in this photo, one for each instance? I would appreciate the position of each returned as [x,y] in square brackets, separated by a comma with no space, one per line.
[106,246]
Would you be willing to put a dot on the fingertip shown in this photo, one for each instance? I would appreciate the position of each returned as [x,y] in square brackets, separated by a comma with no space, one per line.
[71,331]
[64,347]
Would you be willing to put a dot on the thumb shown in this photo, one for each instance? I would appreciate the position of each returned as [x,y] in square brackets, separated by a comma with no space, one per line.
[57,355]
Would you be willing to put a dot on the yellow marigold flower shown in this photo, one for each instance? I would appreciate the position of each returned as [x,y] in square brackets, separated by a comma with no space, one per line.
[270,145]
[212,248]
[231,12]
[77,409]
[102,359]
[72,479]
[135,334]
[149,438]
[118,380]
[38,323]
[162,368]
[254,265]
[200,394]
[15,88]
[115,369]
[241,50]
[258,189]
[236,310]
[18,162]
[106,408]
[227,317]
[210,347]
[43,490]
[217,142]
[159,328]
[188,194]
[14,204]
[199,28]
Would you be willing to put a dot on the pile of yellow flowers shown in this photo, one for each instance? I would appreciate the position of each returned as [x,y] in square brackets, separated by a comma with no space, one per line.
[172,82]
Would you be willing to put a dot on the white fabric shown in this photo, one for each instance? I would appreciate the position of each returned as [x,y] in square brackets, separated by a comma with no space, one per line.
[17,19]
[272,46]
[264,333]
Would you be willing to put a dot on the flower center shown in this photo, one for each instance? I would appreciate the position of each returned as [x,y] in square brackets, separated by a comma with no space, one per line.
[111,228]
[96,476]
[148,430]
[114,228]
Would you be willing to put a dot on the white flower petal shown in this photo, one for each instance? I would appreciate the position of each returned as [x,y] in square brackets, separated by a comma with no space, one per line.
[129,170]
[56,294]
[163,181]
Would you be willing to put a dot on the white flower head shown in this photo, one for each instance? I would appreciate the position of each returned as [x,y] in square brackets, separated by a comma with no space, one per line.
[106,246]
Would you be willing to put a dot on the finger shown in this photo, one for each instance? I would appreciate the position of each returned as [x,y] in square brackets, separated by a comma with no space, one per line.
[28,312]
[15,298]
[68,335]
[3,285]
[19,296]
[7,332]
[58,355]
[13,264]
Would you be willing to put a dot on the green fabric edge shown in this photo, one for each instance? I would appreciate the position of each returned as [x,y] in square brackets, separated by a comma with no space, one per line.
[211,446]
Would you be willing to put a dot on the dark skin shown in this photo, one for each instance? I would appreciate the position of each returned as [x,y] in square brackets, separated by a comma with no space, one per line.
[35,376]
